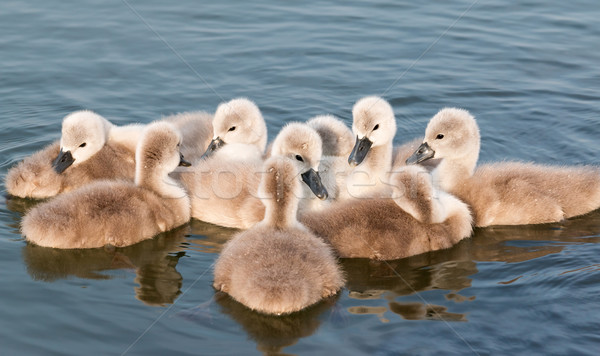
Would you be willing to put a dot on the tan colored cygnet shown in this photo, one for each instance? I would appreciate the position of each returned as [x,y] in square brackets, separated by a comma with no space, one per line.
[507,193]
[278,267]
[374,127]
[417,219]
[91,148]
[118,213]
[196,132]
[239,132]
[301,142]
[225,192]
[337,138]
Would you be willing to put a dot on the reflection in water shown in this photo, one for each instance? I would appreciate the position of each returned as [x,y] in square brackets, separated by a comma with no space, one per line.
[214,236]
[420,311]
[153,260]
[450,269]
[273,333]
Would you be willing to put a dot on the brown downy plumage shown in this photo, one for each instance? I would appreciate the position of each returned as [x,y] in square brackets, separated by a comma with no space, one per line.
[418,219]
[278,267]
[117,213]
[506,193]
[34,177]
[91,148]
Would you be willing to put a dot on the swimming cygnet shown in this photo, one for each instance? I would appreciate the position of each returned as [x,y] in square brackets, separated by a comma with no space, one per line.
[374,126]
[224,192]
[239,131]
[90,148]
[301,142]
[118,213]
[278,267]
[417,219]
[507,193]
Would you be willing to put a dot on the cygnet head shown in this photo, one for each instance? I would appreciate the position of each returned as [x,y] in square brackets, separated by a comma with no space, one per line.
[302,143]
[238,121]
[337,138]
[373,125]
[157,153]
[451,134]
[83,134]
[280,189]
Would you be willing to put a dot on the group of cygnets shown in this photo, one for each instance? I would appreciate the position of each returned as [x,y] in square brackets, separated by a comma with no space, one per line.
[319,191]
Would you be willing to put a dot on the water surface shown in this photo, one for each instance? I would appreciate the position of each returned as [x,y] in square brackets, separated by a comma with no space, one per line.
[529,73]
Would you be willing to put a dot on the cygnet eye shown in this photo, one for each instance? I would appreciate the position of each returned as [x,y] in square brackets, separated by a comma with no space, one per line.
[299,158]
[232,128]
[376,127]
[439,137]
[82,145]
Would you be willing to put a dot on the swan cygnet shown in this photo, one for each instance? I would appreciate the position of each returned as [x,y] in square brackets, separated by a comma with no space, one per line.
[416,219]
[118,213]
[337,138]
[278,266]
[302,143]
[90,148]
[196,132]
[506,193]
[374,126]
[225,192]
[239,132]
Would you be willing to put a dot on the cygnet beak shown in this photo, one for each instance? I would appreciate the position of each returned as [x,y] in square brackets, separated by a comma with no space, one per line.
[360,150]
[183,162]
[423,153]
[214,145]
[63,161]
[313,180]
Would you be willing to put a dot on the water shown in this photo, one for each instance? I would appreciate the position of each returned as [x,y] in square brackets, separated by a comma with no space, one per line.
[529,72]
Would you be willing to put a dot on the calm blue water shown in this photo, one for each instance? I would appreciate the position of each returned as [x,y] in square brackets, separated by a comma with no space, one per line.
[530,73]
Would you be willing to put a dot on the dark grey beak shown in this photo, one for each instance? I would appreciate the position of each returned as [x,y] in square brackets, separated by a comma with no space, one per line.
[423,153]
[183,162]
[63,161]
[360,150]
[313,180]
[215,144]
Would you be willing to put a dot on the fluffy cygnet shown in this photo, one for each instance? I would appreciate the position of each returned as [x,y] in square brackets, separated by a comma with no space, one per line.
[278,267]
[91,148]
[239,131]
[507,193]
[118,213]
[337,138]
[374,126]
[196,132]
[224,192]
[417,219]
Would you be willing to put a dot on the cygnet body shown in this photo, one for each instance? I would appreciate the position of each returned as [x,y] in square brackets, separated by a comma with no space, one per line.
[417,219]
[507,193]
[225,192]
[278,267]
[91,148]
[118,213]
